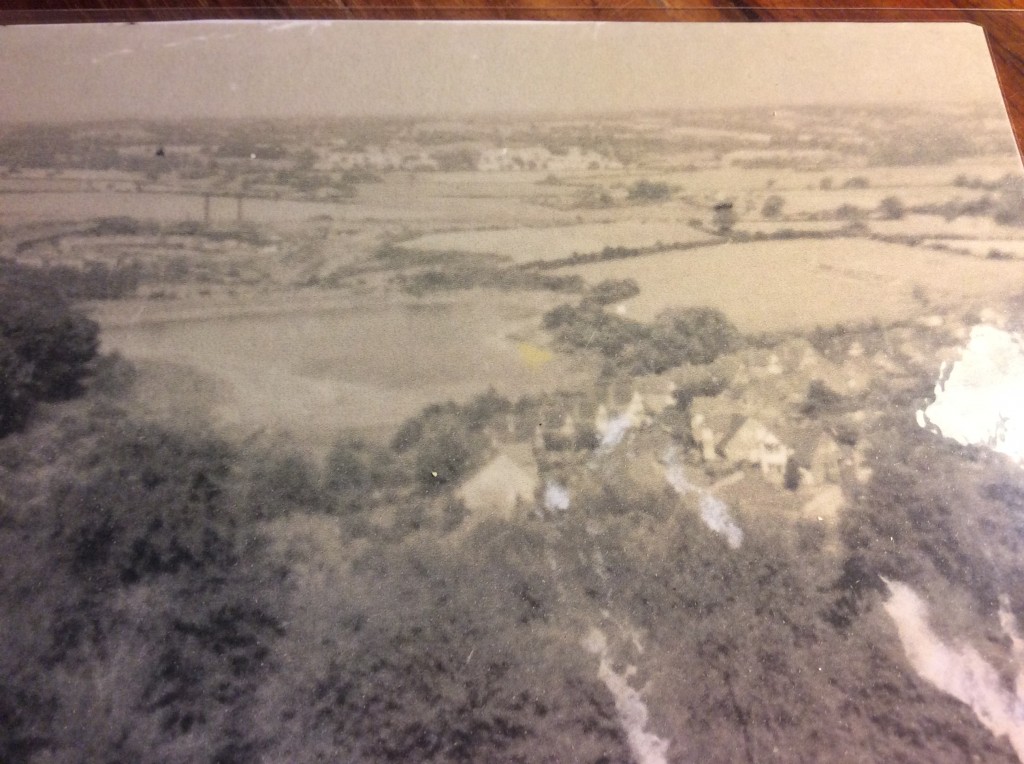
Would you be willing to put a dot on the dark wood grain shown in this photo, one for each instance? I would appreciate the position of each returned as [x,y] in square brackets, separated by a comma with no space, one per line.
[1003,24]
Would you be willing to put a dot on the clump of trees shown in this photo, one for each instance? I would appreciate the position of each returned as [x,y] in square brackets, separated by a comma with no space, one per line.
[445,441]
[849,212]
[772,206]
[179,621]
[649,191]
[611,291]
[45,345]
[936,511]
[677,336]
[695,335]
[891,208]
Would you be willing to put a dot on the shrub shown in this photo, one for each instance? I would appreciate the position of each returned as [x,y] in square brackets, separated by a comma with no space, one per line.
[611,291]
[849,212]
[772,206]
[891,208]
[649,191]
[441,458]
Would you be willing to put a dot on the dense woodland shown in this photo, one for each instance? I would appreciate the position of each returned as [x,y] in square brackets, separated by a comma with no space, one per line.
[173,597]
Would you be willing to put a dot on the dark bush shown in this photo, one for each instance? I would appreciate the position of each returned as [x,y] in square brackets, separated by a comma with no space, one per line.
[155,505]
[891,208]
[772,206]
[611,291]
[649,191]
[441,458]
[696,335]
[45,346]
[686,335]
[821,399]
[16,398]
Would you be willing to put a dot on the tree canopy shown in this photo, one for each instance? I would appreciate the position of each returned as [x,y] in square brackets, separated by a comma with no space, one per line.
[45,345]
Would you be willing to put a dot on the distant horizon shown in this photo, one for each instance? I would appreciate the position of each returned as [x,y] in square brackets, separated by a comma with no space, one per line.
[463,70]
[518,115]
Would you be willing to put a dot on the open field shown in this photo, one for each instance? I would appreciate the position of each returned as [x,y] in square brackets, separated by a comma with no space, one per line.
[799,284]
[554,243]
[311,370]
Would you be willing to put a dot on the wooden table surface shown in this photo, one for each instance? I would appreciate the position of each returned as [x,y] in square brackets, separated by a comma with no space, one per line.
[1003,24]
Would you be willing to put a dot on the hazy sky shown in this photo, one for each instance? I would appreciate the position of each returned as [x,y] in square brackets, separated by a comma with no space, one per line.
[231,69]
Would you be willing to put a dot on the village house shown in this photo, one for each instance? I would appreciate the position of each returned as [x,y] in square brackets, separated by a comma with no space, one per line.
[792,365]
[622,410]
[712,420]
[563,423]
[657,392]
[753,444]
[817,454]
[395,156]
[723,432]
[509,159]
[506,483]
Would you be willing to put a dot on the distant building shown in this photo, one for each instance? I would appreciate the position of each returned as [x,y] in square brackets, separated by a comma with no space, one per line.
[723,216]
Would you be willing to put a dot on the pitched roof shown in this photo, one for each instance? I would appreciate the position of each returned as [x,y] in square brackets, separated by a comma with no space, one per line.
[500,483]
[804,440]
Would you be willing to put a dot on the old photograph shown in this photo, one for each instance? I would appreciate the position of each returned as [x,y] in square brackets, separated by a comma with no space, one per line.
[509,392]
